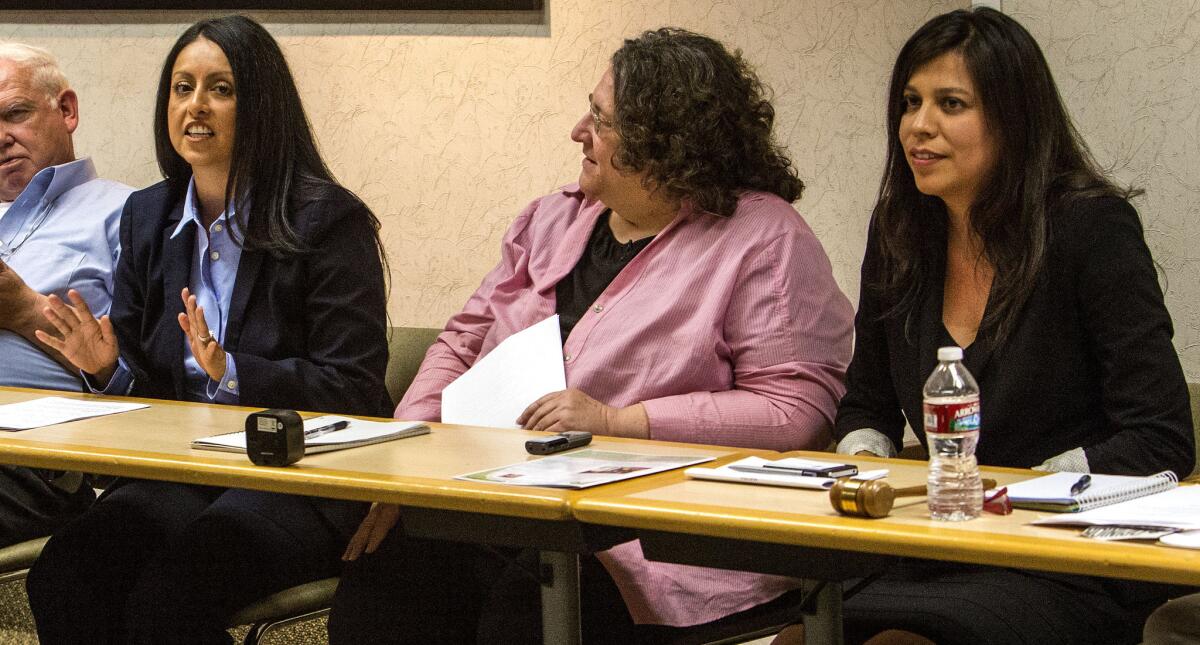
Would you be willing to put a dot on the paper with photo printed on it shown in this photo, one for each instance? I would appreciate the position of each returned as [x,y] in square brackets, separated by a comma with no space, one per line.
[53,410]
[523,368]
[582,468]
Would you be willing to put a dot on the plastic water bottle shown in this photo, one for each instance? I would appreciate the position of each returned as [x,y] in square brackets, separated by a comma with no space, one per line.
[952,430]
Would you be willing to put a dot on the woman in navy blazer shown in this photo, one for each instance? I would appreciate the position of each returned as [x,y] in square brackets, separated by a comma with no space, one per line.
[248,277]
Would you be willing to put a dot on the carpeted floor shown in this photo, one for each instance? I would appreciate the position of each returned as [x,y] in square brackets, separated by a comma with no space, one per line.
[16,625]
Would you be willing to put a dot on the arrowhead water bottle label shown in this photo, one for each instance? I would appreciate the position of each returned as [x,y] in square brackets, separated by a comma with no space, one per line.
[945,418]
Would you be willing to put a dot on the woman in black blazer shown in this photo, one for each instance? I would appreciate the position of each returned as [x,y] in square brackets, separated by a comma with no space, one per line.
[248,277]
[995,231]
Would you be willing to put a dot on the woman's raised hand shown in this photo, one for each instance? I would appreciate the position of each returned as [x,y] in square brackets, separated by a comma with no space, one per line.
[205,348]
[89,343]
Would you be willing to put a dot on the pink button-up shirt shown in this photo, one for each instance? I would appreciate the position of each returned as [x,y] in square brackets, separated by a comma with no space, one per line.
[729,331]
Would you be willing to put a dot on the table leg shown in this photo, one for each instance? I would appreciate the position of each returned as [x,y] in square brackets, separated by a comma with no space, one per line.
[823,623]
[560,598]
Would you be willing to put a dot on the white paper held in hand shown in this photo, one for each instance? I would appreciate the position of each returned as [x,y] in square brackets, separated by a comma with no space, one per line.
[521,369]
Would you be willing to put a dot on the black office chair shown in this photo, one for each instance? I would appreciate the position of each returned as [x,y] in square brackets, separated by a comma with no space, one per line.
[293,605]
[1194,393]
[16,559]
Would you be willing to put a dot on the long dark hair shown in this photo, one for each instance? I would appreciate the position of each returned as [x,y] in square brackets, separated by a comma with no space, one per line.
[1042,166]
[275,164]
[698,121]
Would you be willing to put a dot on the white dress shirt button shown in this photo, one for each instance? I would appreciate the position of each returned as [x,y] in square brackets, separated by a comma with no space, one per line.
[231,384]
[215,256]
[568,358]
[598,308]
[217,228]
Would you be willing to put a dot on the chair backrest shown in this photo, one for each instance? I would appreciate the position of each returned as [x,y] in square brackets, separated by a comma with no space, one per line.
[1194,394]
[406,350]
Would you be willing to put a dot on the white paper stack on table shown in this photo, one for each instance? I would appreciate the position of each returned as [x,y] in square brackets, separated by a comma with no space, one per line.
[790,472]
[356,433]
[1175,512]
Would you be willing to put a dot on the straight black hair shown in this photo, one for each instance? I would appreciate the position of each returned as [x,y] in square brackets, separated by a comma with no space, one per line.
[1042,166]
[275,164]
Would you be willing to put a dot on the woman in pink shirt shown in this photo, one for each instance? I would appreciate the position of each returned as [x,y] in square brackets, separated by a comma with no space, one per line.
[696,305]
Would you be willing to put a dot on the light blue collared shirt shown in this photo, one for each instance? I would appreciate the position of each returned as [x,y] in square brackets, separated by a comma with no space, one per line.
[215,259]
[62,232]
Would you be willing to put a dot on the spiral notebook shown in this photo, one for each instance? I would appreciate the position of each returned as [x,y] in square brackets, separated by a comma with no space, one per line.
[1053,492]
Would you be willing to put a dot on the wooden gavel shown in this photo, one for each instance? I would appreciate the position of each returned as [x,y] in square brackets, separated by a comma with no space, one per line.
[873,498]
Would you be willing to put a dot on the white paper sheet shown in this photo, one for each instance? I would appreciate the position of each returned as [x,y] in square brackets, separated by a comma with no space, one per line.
[51,410]
[1178,508]
[498,388]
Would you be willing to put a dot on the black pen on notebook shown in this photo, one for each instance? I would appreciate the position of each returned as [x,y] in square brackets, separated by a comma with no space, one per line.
[333,427]
[1081,485]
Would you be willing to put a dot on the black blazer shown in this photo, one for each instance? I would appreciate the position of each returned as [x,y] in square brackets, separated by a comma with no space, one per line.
[1088,364]
[308,332]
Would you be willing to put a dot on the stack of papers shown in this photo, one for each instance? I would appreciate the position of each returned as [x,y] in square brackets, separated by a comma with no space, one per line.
[356,433]
[1178,508]
[756,470]
[1175,512]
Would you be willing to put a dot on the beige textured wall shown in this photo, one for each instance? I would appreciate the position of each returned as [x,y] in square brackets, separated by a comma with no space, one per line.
[446,124]
[1129,71]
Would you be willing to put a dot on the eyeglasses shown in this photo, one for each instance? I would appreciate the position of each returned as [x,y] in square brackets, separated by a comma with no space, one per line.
[599,122]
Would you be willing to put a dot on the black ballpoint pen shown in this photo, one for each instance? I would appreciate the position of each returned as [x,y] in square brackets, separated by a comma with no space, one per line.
[1081,485]
[336,425]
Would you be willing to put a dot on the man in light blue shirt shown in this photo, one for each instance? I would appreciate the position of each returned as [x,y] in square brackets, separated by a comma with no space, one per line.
[58,230]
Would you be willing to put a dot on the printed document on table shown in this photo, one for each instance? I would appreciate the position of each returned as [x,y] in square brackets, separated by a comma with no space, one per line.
[582,468]
[1178,508]
[520,370]
[52,410]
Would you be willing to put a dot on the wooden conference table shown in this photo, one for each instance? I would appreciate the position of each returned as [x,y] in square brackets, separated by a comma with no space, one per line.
[417,473]
[756,528]
[795,532]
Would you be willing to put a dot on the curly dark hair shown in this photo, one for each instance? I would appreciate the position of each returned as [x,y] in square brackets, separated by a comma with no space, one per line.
[697,120]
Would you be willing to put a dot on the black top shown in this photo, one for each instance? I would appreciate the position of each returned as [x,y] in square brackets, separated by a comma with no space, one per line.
[602,260]
[1089,362]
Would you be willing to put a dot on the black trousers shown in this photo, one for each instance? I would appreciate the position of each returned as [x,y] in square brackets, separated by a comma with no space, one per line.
[156,562]
[31,506]
[417,591]
[965,604]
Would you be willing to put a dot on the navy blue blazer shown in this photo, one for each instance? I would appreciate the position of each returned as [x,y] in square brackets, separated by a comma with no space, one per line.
[308,332]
